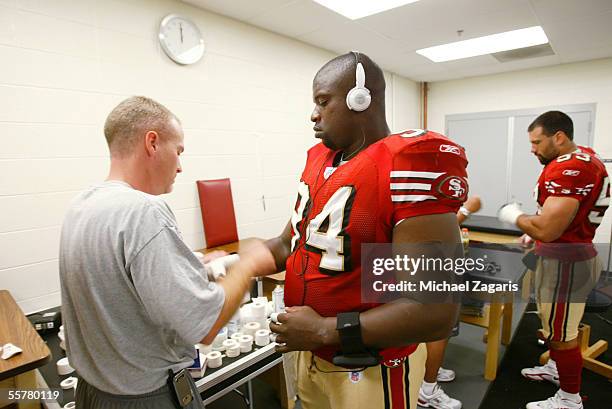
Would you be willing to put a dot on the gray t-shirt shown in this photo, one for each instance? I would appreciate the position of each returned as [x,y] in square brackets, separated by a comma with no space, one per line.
[134,297]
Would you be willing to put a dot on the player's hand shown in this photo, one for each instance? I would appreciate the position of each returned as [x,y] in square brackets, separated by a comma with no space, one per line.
[473,203]
[299,329]
[509,213]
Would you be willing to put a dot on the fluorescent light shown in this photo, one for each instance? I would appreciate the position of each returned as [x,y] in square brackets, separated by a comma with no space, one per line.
[510,40]
[355,9]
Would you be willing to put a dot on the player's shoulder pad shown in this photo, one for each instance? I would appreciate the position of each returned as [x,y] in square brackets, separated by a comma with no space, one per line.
[573,164]
[420,140]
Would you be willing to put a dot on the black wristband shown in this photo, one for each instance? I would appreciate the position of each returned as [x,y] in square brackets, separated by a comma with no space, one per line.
[349,329]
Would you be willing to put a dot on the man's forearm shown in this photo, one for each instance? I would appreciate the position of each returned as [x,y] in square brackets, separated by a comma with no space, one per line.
[280,250]
[234,285]
[536,228]
[398,324]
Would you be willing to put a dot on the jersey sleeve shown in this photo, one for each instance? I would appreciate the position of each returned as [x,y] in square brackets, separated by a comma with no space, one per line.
[173,289]
[571,176]
[428,178]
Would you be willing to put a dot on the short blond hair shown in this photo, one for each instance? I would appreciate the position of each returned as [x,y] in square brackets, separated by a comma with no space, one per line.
[131,118]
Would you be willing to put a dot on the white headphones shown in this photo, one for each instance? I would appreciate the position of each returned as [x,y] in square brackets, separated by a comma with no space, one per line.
[358,98]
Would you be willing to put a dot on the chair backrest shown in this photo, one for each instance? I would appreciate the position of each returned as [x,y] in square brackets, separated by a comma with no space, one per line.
[218,217]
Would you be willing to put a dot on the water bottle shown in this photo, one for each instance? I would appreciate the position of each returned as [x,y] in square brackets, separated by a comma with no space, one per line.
[465,239]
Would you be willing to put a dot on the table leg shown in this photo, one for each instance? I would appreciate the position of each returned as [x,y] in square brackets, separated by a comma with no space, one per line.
[27,381]
[493,340]
[507,323]
[250,393]
[526,285]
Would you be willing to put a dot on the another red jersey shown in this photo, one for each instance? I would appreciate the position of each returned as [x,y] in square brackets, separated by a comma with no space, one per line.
[583,176]
[339,208]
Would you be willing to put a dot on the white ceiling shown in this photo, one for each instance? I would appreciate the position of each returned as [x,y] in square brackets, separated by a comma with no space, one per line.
[578,30]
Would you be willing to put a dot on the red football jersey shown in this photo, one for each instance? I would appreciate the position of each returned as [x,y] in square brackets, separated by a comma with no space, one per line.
[339,208]
[583,176]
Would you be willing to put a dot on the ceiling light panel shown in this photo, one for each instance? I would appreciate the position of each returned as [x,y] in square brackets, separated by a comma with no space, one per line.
[510,40]
[355,9]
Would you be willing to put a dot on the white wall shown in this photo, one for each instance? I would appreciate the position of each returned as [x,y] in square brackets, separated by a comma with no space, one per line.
[66,63]
[585,82]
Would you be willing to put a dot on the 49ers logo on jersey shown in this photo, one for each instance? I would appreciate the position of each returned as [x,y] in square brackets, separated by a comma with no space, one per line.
[453,187]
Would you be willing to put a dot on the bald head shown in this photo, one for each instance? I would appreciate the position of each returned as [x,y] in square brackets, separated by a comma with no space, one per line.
[340,72]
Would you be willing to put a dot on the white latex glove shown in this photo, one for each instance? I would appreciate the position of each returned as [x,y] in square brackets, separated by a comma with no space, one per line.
[509,213]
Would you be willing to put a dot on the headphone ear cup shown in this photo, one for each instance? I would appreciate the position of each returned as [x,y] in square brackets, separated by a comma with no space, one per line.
[358,99]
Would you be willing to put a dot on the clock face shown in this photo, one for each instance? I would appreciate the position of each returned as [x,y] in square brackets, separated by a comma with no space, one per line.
[181,39]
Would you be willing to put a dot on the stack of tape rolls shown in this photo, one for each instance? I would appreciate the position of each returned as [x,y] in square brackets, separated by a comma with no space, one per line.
[246,343]
[229,343]
[251,327]
[232,348]
[69,383]
[63,367]
[262,337]
[236,336]
[213,359]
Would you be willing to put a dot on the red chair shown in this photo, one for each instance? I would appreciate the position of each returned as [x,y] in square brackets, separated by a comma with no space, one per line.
[218,217]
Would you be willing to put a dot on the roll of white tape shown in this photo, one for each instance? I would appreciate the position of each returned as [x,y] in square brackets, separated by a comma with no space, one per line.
[233,352]
[228,343]
[251,327]
[258,309]
[273,337]
[236,335]
[262,337]
[70,405]
[69,383]
[246,343]
[63,367]
[213,359]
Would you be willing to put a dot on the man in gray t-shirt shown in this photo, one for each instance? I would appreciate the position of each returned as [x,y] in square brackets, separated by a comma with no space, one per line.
[134,297]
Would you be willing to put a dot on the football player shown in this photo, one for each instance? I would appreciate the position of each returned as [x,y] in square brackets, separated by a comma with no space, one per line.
[572,194]
[360,185]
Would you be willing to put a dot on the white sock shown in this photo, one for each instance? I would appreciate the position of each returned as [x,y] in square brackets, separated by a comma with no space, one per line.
[428,388]
[574,397]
